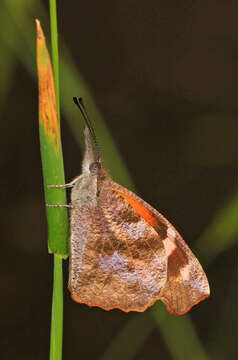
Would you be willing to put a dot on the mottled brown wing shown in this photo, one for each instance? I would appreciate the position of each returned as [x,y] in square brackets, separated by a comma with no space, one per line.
[186,283]
[117,259]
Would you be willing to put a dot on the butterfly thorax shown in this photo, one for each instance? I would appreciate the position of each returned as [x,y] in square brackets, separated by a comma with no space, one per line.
[87,189]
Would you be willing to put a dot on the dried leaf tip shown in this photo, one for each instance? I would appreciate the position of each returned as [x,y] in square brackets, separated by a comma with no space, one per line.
[39,32]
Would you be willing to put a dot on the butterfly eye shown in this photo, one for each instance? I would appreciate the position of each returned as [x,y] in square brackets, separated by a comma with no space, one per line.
[94,167]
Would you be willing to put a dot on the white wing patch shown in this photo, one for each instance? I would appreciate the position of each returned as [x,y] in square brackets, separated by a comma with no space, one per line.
[171,232]
[169,245]
[185,272]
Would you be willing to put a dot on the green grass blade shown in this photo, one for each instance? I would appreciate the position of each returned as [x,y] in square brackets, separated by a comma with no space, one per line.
[221,233]
[51,152]
[55,52]
[179,334]
[141,327]
[22,47]
[53,173]
[222,340]
[56,335]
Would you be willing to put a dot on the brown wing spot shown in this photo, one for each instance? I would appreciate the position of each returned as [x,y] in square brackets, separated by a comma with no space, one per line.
[107,248]
[98,245]
[118,244]
[136,255]
[176,261]
[141,245]
[154,243]
[129,215]
[125,214]
[161,229]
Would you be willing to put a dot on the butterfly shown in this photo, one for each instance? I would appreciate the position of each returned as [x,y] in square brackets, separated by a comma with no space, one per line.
[124,254]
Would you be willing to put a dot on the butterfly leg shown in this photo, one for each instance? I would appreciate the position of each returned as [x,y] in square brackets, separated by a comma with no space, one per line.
[69,185]
[65,206]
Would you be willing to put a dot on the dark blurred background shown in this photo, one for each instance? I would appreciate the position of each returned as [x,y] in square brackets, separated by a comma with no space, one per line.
[163,75]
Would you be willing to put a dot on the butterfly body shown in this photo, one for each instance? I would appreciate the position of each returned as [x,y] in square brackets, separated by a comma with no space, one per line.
[123,253]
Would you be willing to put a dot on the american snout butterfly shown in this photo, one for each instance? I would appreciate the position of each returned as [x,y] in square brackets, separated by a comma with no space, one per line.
[123,253]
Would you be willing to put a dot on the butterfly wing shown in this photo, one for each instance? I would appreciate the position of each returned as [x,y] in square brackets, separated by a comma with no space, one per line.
[186,283]
[118,259]
[128,255]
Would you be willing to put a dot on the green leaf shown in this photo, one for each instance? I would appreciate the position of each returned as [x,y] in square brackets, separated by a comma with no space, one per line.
[51,151]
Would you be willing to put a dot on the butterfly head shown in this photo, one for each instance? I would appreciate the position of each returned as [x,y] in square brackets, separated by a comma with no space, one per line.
[92,162]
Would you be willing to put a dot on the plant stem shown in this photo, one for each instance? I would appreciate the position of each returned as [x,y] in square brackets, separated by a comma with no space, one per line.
[55,51]
[53,173]
[56,338]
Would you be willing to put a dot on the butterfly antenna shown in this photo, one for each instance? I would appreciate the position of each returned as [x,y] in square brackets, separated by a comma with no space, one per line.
[82,108]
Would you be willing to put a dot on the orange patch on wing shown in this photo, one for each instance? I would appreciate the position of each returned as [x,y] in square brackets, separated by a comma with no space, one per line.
[141,210]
